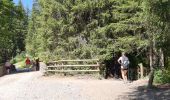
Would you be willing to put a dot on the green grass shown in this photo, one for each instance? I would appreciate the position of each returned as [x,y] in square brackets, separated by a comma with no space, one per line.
[20,64]
[162,76]
[19,60]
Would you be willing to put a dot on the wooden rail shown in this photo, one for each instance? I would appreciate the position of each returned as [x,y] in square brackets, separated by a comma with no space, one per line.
[73,70]
[55,66]
[64,66]
[78,60]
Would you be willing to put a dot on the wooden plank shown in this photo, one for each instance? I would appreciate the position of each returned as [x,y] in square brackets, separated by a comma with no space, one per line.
[141,70]
[78,60]
[72,66]
[52,62]
[62,66]
[73,70]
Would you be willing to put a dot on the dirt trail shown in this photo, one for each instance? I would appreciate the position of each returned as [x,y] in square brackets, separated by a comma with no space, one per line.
[33,86]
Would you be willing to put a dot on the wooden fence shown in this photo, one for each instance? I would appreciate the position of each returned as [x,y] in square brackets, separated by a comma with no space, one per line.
[142,71]
[73,66]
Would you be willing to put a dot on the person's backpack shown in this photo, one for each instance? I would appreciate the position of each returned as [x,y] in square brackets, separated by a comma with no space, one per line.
[125,63]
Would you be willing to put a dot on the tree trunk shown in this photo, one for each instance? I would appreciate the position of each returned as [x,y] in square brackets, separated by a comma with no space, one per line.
[162,60]
[151,75]
[151,58]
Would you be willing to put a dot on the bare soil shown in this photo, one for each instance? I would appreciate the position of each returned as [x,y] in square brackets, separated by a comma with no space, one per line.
[34,86]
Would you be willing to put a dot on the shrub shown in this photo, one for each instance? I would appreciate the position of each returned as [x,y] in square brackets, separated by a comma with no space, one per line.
[162,76]
[19,60]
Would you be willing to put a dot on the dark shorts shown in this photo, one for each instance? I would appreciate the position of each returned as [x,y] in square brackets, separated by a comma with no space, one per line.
[124,68]
[7,67]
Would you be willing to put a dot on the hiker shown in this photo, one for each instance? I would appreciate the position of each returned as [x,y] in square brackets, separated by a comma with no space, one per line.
[13,68]
[37,64]
[124,61]
[27,62]
[33,63]
[7,66]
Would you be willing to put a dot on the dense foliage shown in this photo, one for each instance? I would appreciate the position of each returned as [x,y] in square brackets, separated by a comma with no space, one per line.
[13,28]
[86,29]
[162,76]
[72,29]
[157,14]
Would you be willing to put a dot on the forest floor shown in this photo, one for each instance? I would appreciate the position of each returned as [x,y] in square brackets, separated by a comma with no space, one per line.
[33,86]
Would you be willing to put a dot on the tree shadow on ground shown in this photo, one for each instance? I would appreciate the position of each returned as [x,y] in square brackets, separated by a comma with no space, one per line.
[141,93]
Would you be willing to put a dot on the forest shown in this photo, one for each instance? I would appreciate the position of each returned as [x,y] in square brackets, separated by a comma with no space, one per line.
[89,29]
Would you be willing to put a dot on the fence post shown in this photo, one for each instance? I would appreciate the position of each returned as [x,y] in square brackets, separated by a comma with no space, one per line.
[62,68]
[98,68]
[43,68]
[141,70]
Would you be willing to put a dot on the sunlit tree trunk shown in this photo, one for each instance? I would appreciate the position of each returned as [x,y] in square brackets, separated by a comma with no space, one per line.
[162,62]
[153,61]
[151,75]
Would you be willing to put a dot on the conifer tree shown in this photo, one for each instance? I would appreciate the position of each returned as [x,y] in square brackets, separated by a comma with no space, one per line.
[157,22]
[89,29]
[13,27]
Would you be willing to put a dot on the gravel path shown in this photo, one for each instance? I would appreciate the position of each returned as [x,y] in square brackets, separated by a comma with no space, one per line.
[33,86]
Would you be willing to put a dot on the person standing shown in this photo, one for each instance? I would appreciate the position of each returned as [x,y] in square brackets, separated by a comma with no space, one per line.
[27,62]
[37,64]
[124,61]
[7,66]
